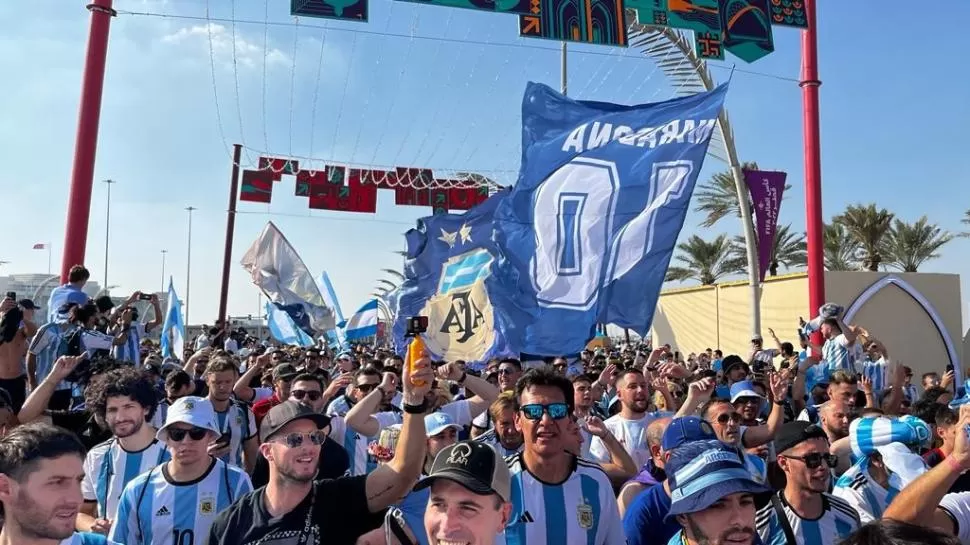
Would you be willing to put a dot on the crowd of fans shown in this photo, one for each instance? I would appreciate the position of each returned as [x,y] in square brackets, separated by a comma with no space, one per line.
[243,442]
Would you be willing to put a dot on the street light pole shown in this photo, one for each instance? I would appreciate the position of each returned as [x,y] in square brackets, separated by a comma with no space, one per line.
[163,269]
[107,229]
[188,266]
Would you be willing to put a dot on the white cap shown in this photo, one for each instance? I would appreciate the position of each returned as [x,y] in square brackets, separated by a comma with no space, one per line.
[438,422]
[191,410]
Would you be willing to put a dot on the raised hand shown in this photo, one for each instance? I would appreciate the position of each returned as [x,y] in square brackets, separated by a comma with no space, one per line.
[449,371]
[596,427]
[866,383]
[778,383]
[947,380]
[64,366]
[701,390]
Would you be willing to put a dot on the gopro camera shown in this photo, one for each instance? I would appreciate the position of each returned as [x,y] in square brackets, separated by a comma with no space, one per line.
[417,325]
[145,297]
[12,295]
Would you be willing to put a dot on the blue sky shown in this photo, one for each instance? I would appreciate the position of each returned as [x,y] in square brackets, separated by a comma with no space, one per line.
[425,87]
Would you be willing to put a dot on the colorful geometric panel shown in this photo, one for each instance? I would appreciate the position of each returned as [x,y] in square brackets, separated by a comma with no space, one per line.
[747,28]
[382,179]
[708,45]
[279,166]
[503,6]
[439,200]
[789,13]
[421,177]
[257,186]
[345,199]
[461,198]
[697,15]
[405,196]
[347,10]
[586,21]
[649,12]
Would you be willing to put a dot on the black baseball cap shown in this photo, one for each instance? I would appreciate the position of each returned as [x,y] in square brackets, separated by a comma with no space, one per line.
[27,304]
[289,411]
[733,361]
[794,433]
[284,371]
[474,465]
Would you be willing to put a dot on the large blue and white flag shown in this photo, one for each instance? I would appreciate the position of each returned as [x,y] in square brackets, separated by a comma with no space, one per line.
[335,337]
[277,269]
[588,230]
[173,329]
[363,323]
[283,328]
[447,279]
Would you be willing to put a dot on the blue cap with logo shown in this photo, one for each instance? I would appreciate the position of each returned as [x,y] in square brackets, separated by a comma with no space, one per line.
[686,429]
[700,473]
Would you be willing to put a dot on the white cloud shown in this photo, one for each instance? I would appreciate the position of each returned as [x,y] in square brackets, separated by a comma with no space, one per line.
[248,54]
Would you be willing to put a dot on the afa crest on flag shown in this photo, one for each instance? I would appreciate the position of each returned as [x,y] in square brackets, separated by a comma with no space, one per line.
[448,279]
[587,232]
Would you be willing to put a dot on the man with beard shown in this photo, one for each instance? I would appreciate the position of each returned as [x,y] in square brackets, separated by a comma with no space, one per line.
[236,443]
[40,476]
[834,418]
[804,513]
[293,509]
[629,426]
[503,437]
[713,496]
[124,399]
[557,497]
[181,497]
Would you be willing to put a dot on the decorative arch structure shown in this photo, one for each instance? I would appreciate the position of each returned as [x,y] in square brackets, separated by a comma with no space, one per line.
[923,302]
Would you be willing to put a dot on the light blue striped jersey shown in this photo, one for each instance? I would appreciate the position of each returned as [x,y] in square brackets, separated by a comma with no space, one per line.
[237,420]
[108,468]
[355,443]
[48,344]
[491,438]
[339,406]
[581,510]
[161,413]
[131,349]
[837,354]
[156,510]
[876,372]
[838,520]
[864,494]
[909,391]
[86,538]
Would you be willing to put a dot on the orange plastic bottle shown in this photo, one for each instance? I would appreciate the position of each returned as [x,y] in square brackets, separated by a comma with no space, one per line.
[415,352]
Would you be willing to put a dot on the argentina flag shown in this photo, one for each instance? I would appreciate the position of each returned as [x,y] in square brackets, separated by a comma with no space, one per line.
[447,279]
[173,329]
[362,323]
[283,328]
[587,232]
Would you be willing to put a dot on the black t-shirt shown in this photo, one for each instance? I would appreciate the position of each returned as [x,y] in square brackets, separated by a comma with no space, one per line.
[334,463]
[340,515]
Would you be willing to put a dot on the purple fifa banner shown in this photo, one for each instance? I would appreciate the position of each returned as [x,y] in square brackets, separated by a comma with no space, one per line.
[766,189]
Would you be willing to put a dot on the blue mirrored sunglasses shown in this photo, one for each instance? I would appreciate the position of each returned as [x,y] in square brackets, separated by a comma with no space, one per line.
[557,411]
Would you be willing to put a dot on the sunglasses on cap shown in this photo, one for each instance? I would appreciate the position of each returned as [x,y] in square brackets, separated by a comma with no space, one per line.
[294,440]
[556,411]
[815,459]
[178,434]
[723,418]
[312,395]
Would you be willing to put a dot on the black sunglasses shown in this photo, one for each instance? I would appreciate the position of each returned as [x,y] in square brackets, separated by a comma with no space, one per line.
[815,459]
[366,387]
[313,395]
[725,417]
[178,434]
[294,440]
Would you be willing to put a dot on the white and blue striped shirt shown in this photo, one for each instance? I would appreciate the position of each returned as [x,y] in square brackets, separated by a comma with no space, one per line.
[108,468]
[85,538]
[154,509]
[338,407]
[355,443]
[48,344]
[581,510]
[240,423]
[876,372]
[837,354]
[491,438]
[131,349]
[864,494]
[838,520]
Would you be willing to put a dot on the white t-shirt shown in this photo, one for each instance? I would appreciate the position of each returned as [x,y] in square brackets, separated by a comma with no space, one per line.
[632,434]
[957,505]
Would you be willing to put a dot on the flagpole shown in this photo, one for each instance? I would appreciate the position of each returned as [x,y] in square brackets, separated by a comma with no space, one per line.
[188,266]
[230,230]
[562,71]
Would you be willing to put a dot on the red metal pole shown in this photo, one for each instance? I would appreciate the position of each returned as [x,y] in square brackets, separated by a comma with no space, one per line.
[86,144]
[230,228]
[813,161]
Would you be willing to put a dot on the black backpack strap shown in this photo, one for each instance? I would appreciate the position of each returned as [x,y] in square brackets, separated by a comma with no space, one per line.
[783,520]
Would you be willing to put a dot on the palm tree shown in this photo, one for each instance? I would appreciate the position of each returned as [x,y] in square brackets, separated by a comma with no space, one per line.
[396,274]
[718,197]
[703,261]
[868,226]
[839,251]
[790,250]
[909,245]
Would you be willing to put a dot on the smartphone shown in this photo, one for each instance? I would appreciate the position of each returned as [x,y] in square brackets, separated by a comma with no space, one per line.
[12,295]
[145,297]
[417,325]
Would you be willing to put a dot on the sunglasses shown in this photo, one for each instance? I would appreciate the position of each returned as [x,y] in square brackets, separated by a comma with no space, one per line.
[294,440]
[178,434]
[725,417]
[556,411]
[367,387]
[815,460]
[506,371]
[312,395]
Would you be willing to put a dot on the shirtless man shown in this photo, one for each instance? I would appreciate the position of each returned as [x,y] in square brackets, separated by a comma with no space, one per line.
[17,327]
